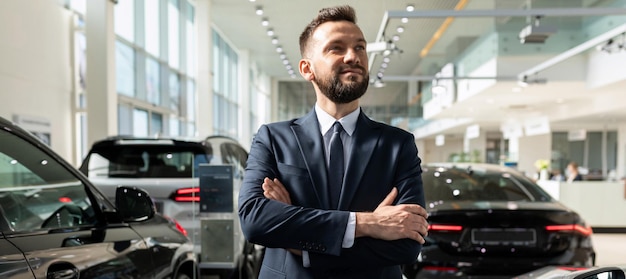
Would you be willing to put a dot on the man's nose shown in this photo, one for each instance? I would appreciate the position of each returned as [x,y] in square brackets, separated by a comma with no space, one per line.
[352,57]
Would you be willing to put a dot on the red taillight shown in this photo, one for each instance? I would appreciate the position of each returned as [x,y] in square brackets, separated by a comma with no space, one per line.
[177,225]
[440,268]
[187,195]
[583,230]
[437,227]
[65,200]
[180,228]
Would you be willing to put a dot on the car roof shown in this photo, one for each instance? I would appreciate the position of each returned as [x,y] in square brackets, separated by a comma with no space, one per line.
[161,140]
[468,165]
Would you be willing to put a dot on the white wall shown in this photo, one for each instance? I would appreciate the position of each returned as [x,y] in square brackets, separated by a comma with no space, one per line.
[531,149]
[431,153]
[35,72]
[600,203]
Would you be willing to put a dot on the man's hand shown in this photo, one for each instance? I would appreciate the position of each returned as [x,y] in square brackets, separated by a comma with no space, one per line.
[275,190]
[391,222]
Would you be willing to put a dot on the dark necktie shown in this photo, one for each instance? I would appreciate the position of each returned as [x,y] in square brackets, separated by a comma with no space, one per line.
[335,165]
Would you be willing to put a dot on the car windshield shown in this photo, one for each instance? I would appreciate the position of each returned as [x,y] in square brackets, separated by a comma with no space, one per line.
[36,192]
[146,161]
[455,184]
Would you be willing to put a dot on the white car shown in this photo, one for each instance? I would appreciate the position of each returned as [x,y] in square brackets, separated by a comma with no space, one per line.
[167,169]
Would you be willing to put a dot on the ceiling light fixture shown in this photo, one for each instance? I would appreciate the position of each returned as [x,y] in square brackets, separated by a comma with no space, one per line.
[410,8]
[400,29]
[612,45]
[378,83]
[274,39]
[535,33]
[404,20]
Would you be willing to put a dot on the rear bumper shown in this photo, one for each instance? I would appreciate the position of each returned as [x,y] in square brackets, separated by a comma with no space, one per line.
[515,264]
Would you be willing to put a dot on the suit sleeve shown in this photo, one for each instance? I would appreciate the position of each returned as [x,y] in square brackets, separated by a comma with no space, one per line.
[275,224]
[375,252]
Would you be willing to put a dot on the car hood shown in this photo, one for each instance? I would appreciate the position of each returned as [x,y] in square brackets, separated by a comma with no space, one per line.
[433,206]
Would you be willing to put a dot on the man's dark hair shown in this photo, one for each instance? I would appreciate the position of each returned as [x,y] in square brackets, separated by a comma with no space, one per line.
[338,13]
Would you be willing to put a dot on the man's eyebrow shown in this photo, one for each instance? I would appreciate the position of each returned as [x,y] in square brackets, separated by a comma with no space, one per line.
[339,41]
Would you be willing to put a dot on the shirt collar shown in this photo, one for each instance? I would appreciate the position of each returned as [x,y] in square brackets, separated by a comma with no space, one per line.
[326,120]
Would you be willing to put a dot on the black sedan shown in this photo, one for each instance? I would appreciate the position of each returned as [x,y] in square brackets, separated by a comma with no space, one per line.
[55,224]
[489,220]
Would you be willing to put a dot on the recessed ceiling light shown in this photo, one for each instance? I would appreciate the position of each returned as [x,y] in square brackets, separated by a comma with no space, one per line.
[265,21]
[279,49]
[400,29]
[410,8]
[395,38]
[405,20]
[259,10]
[274,40]
[270,32]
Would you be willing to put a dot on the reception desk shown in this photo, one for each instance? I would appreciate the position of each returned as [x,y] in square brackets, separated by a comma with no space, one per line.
[602,204]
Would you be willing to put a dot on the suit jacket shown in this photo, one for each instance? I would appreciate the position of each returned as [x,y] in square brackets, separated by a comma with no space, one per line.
[382,157]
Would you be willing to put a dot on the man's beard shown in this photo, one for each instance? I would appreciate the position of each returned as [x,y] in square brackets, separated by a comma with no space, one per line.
[338,92]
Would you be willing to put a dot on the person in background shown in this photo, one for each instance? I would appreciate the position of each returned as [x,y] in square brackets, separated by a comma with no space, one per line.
[572,172]
[557,175]
[365,222]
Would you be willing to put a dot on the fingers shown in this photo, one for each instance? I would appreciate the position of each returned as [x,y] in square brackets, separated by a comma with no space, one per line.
[275,190]
[389,198]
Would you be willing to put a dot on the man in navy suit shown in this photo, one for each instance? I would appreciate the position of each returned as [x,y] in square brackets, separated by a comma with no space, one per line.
[378,222]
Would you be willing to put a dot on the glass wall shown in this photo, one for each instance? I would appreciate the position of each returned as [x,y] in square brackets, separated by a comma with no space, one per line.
[596,154]
[225,88]
[156,89]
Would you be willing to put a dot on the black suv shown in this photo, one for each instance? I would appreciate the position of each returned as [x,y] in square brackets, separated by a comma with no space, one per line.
[55,224]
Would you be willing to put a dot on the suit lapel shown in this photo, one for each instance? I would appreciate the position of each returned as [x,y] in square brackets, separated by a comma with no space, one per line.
[366,137]
[309,137]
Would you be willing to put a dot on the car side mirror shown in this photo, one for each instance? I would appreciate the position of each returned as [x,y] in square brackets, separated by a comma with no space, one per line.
[598,273]
[133,204]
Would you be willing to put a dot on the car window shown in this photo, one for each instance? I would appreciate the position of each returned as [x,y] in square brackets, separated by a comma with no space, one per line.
[233,154]
[36,192]
[145,161]
[461,185]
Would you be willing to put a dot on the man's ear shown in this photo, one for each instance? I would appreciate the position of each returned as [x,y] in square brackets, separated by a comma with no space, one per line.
[306,70]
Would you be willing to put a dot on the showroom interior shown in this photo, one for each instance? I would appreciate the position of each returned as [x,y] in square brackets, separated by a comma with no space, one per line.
[508,82]
[504,98]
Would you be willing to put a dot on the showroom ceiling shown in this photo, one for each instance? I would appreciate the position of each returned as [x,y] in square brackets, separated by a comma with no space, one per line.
[438,32]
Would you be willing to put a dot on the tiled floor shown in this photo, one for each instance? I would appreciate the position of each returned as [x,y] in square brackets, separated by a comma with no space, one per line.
[610,248]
